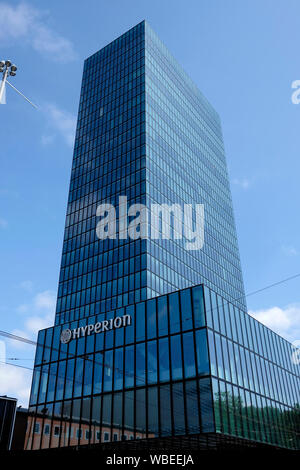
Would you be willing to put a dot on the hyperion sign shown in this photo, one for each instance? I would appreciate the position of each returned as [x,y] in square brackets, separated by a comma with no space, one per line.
[99,327]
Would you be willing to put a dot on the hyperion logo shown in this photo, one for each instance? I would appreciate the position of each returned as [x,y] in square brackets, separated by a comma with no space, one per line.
[166,221]
[65,336]
[99,327]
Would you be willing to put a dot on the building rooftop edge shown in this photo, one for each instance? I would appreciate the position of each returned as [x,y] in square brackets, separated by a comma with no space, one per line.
[179,290]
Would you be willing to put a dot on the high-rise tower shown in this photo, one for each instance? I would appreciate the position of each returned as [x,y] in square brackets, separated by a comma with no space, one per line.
[144,131]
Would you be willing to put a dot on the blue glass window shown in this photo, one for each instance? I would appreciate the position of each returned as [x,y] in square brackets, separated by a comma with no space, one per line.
[118,380]
[78,377]
[178,408]
[188,355]
[129,330]
[212,353]
[243,323]
[69,378]
[208,307]
[226,359]
[151,318]
[88,375]
[129,412]
[219,356]
[51,381]
[232,362]
[106,409]
[244,367]
[55,343]
[152,412]
[98,367]
[227,319]
[129,366]
[233,323]
[192,411]
[176,358]
[60,380]
[238,325]
[206,406]
[162,313]
[140,412]
[164,363]
[214,310]
[140,364]
[117,411]
[90,341]
[202,352]
[174,313]
[238,365]
[48,342]
[40,347]
[224,407]
[99,337]
[119,334]
[140,322]
[221,315]
[186,309]
[165,410]
[80,345]
[152,361]
[109,335]
[35,385]
[198,306]
[108,371]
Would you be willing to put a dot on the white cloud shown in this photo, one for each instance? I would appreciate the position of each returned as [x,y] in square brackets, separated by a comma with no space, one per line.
[15,382]
[49,42]
[22,309]
[41,311]
[41,303]
[284,321]
[16,345]
[290,250]
[25,23]
[243,183]
[47,139]
[62,121]
[39,314]
[3,223]
[15,22]
[35,323]
[27,285]
[45,301]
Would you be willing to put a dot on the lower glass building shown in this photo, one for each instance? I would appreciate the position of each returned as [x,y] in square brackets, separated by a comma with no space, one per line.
[188,363]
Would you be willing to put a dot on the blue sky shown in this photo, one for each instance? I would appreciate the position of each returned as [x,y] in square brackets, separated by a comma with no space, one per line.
[242,54]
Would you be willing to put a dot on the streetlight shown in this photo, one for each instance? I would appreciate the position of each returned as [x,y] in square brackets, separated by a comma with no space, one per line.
[9,69]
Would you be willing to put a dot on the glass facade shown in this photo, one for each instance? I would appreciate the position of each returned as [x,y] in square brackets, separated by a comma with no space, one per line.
[7,421]
[137,352]
[188,362]
[255,382]
[144,131]
[185,163]
[109,161]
